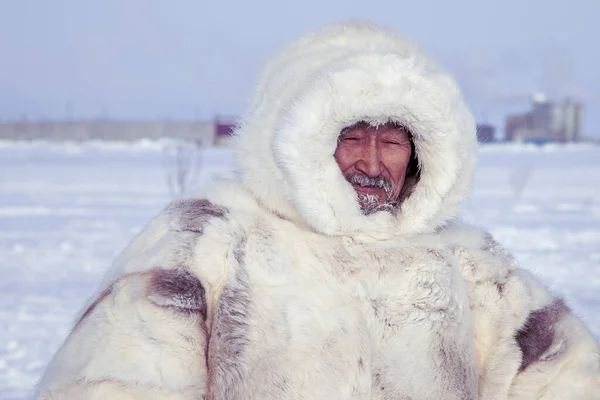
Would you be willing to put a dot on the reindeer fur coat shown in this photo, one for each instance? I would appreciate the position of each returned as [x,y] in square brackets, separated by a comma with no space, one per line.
[277,286]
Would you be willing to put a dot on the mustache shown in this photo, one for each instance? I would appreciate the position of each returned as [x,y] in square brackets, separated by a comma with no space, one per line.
[366,181]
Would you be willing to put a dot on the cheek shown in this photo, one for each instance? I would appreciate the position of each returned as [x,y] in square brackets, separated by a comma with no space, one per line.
[396,165]
[343,157]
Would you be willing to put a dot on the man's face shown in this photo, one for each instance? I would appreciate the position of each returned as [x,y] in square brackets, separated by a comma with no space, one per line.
[374,160]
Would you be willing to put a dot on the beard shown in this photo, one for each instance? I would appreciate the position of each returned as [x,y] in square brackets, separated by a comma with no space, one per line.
[370,203]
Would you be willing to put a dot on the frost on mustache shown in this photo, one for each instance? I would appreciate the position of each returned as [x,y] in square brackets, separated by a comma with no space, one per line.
[371,203]
[365,181]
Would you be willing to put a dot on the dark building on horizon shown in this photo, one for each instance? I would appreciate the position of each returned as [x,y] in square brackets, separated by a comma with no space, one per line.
[486,133]
[224,129]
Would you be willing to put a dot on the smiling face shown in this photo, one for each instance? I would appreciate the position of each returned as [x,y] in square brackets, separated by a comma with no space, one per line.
[375,160]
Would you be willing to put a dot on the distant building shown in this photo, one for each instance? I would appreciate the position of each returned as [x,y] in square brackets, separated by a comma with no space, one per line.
[516,126]
[572,120]
[224,128]
[206,133]
[486,133]
[546,122]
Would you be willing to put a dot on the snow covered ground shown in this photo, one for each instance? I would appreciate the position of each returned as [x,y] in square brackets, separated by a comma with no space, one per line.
[66,210]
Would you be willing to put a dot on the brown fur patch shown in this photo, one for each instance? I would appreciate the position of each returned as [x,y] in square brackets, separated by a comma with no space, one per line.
[193,214]
[178,290]
[229,338]
[538,333]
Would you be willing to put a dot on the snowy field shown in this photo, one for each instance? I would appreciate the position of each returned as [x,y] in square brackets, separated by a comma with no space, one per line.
[66,210]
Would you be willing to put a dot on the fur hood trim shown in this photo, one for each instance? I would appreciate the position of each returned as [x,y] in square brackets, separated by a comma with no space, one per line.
[333,78]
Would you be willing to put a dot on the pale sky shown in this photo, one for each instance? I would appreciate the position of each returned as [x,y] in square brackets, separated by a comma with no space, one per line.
[185,59]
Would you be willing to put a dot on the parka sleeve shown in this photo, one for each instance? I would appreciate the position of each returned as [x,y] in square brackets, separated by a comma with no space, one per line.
[529,343]
[144,335]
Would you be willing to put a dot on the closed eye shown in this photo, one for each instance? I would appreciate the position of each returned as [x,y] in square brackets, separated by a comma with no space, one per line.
[351,139]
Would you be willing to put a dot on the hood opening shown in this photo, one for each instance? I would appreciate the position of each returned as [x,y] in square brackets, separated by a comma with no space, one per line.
[412,173]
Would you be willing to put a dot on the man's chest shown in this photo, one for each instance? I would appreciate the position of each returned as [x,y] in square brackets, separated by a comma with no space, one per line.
[351,324]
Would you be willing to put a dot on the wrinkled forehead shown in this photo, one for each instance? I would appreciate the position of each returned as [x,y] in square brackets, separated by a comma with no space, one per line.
[389,127]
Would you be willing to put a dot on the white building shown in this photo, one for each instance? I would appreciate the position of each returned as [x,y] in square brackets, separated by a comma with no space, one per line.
[546,122]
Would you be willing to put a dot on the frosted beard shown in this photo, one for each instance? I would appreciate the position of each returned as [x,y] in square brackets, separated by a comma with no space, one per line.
[370,203]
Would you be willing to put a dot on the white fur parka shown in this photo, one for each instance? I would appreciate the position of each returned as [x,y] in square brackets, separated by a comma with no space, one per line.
[277,286]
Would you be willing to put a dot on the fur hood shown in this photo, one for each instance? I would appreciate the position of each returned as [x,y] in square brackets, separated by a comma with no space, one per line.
[333,78]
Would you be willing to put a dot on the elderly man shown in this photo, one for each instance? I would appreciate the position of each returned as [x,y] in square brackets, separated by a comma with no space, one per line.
[332,266]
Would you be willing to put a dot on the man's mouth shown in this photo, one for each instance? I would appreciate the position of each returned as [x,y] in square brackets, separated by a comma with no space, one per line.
[370,191]
[367,186]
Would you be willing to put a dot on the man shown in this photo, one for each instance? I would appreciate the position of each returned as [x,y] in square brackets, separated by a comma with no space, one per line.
[332,266]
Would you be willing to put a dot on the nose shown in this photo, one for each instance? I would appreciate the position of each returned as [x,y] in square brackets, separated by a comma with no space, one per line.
[370,162]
